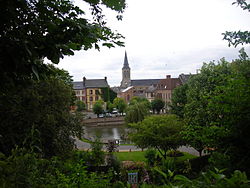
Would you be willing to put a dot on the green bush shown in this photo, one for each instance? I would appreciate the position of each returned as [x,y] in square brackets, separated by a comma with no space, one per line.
[174,153]
[150,156]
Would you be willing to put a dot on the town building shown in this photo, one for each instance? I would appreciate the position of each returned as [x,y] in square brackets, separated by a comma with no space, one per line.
[90,90]
[165,88]
[130,88]
[126,81]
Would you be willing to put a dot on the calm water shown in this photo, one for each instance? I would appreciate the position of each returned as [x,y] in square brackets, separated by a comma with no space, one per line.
[106,132]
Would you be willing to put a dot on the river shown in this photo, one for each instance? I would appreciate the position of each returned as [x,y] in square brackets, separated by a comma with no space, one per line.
[107,132]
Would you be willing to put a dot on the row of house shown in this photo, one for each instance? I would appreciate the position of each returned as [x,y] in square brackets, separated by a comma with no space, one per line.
[153,88]
[148,88]
[89,90]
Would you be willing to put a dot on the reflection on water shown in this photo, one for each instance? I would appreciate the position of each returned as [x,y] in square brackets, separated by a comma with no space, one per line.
[106,132]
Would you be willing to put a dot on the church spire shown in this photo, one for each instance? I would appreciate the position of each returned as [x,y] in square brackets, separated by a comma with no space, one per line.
[125,64]
[126,81]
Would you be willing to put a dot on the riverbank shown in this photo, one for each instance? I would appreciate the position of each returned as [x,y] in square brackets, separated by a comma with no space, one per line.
[104,121]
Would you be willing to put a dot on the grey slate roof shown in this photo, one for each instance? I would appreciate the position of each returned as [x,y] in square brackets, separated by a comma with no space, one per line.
[91,83]
[78,85]
[144,82]
[96,83]
[125,64]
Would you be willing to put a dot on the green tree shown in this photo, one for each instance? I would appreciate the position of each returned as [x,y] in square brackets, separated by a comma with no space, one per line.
[136,111]
[199,131]
[80,105]
[157,105]
[110,107]
[31,93]
[120,104]
[231,103]
[34,30]
[98,107]
[45,106]
[159,132]
[108,94]
[97,154]
[136,99]
[238,37]
[179,100]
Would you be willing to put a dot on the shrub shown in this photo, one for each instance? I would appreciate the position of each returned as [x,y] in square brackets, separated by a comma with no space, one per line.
[150,156]
[174,153]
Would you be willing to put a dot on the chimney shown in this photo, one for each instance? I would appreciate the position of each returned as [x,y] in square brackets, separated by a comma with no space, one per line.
[105,78]
[168,76]
[84,80]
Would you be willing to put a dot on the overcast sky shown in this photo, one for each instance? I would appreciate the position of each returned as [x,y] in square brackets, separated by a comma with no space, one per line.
[163,37]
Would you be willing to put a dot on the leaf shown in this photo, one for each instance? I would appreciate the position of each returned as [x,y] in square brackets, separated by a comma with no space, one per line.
[34,70]
[182,178]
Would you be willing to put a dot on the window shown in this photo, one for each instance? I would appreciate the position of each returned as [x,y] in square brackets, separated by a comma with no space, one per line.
[91,92]
[96,98]
[90,98]
[96,92]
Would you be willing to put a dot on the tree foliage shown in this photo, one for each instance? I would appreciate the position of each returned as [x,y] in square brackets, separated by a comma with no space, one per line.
[98,107]
[34,30]
[24,168]
[32,93]
[120,104]
[143,100]
[235,38]
[108,95]
[217,109]
[197,114]
[157,105]
[136,112]
[43,105]
[159,132]
[178,100]
[80,105]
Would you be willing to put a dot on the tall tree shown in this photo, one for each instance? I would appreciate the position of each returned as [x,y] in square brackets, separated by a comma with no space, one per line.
[159,132]
[44,106]
[157,105]
[231,103]
[136,112]
[32,94]
[34,30]
[179,100]
[143,100]
[197,115]
[98,107]
[120,104]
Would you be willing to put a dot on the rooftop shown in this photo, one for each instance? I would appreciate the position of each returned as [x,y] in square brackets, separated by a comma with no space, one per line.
[145,82]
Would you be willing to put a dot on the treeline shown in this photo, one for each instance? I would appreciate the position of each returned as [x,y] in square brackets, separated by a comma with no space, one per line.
[215,106]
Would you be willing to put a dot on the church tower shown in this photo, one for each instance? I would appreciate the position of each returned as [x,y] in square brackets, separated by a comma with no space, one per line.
[126,81]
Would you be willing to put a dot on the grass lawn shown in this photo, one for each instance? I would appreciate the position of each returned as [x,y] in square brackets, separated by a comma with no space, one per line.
[139,156]
[131,156]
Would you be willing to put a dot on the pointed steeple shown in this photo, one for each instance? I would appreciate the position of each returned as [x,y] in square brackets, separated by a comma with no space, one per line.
[126,81]
[125,64]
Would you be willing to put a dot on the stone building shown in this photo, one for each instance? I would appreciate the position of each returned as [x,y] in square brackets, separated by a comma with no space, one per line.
[130,88]
[89,90]
[165,89]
